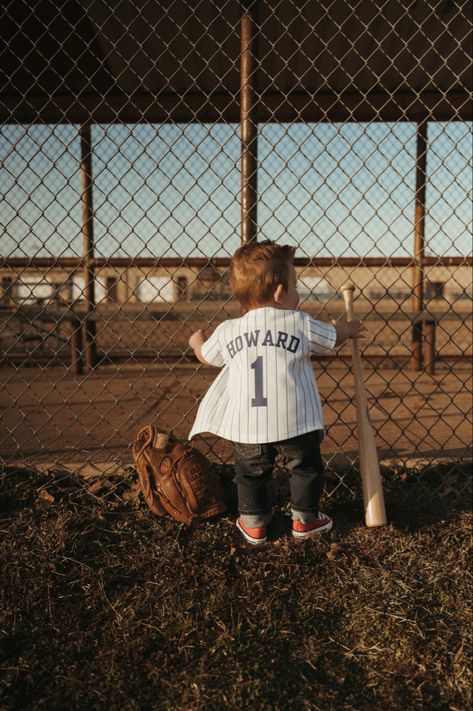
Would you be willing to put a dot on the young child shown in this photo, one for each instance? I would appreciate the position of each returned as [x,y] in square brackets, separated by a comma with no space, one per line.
[265,399]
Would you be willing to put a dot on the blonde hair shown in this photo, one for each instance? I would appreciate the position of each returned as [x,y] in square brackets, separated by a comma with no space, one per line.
[256,270]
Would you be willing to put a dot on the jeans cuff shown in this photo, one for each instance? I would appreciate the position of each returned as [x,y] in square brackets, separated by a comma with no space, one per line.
[303,516]
[255,520]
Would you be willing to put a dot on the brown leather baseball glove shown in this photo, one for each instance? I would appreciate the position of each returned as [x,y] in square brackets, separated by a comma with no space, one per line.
[175,479]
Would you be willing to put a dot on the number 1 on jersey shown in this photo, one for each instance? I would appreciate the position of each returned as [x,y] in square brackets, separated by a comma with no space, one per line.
[259,400]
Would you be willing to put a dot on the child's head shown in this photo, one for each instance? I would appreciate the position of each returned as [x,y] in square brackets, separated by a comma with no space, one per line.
[262,273]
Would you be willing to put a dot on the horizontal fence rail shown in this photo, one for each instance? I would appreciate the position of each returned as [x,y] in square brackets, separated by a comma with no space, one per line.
[45,262]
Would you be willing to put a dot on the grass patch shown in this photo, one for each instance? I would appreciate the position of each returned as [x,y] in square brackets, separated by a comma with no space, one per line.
[107,606]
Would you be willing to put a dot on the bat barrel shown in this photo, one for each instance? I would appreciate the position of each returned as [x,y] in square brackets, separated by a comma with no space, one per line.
[375,512]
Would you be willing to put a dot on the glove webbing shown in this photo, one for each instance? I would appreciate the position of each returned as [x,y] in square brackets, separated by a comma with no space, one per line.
[174,466]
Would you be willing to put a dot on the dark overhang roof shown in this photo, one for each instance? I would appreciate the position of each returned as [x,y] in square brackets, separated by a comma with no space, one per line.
[125,60]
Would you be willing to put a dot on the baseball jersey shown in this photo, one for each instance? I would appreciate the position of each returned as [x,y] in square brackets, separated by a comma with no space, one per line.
[266,391]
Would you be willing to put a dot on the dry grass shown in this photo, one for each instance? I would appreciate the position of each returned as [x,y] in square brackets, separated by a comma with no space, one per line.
[106,606]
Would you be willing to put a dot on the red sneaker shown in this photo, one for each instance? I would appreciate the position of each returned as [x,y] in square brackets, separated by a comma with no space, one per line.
[255,536]
[318,525]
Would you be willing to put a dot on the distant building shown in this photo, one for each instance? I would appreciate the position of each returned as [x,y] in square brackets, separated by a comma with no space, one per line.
[135,285]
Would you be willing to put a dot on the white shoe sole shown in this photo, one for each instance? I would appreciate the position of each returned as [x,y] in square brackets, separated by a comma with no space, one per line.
[314,532]
[250,539]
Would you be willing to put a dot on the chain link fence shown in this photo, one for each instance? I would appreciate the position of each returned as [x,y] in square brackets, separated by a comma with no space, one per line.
[141,143]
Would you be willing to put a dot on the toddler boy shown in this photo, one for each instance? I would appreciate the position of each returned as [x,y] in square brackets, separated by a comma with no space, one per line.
[266,399]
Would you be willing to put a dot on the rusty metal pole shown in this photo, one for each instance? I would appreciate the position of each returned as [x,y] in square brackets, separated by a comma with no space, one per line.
[419,245]
[248,122]
[430,354]
[90,347]
[76,347]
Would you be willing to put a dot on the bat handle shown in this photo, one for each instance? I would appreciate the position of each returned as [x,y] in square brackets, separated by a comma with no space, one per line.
[348,291]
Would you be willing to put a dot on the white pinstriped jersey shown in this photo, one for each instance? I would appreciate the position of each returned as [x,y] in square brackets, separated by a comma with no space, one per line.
[266,391]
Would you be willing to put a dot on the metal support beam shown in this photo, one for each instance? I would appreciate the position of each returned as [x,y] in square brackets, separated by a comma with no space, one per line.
[249,123]
[419,244]
[90,346]
[193,262]
[76,367]
[430,354]
[223,106]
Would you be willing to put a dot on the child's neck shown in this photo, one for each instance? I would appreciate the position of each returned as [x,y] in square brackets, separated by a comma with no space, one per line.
[266,305]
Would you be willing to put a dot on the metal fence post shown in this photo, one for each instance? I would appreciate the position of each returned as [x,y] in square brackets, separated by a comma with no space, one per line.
[429,346]
[419,244]
[76,365]
[90,347]
[249,123]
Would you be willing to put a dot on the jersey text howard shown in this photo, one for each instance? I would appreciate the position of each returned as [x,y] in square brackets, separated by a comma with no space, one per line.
[252,338]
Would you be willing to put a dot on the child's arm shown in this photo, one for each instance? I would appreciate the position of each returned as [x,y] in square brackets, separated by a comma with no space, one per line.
[348,329]
[196,341]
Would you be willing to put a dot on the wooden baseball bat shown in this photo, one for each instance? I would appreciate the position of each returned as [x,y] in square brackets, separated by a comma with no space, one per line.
[373,498]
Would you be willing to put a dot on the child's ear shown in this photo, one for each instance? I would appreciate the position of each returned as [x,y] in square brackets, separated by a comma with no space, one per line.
[278,294]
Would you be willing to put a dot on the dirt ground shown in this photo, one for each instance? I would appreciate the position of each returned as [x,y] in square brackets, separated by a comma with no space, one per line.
[51,416]
[106,606]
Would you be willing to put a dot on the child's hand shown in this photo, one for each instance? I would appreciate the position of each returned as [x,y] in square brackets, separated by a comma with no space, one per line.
[356,329]
[348,329]
[197,339]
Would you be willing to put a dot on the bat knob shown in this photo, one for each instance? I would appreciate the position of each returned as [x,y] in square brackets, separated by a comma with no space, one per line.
[348,287]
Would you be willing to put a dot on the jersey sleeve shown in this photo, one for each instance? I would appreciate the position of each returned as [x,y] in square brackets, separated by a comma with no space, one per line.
[212,349]
[321,336]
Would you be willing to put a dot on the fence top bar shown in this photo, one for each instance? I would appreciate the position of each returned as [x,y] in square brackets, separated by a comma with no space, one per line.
[224,107]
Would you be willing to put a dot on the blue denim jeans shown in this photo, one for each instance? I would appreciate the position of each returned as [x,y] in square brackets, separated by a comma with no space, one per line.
[254,465]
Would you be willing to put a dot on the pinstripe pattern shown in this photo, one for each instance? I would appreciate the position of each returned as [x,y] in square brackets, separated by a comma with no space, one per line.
[264,354]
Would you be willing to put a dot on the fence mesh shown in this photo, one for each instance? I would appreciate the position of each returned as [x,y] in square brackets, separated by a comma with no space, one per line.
[124,194]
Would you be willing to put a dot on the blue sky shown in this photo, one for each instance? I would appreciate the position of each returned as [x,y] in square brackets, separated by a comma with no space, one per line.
[173,190]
